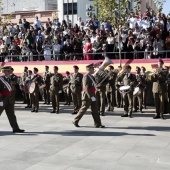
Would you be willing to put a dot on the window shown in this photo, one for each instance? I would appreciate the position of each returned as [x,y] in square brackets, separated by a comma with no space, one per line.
[70,8]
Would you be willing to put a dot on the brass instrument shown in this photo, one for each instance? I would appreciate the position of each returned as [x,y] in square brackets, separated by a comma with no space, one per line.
[101,74]
[156,73]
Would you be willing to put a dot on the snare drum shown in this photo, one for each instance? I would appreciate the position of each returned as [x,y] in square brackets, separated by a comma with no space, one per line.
[124,89]
[137,91]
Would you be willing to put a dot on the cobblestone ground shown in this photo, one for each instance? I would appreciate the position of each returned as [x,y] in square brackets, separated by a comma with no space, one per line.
[51,142]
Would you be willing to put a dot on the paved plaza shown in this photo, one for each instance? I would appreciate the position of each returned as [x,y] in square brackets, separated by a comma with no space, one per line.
[51,142]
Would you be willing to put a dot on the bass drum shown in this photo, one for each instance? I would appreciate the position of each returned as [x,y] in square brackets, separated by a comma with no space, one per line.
[32,87]
[124,89]
[26,86]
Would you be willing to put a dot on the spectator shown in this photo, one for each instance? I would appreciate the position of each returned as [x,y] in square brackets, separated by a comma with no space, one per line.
[47,50]
[26,53]
[97,48]
[26,24]
[39,36]
[87,49]
[68,50]
[57,50]
[39,48]
[14,51]
[37,22]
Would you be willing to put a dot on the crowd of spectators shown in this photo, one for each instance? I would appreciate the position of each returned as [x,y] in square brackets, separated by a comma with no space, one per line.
[142,36]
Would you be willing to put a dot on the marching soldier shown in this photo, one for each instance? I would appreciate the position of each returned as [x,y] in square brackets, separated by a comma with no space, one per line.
[28,95]
[159,89]
[110,88]
[118,95]
[46,78]
[128,79]
[76,88]
[22,81]
[137,99]
[6,102]
[145,86]
[89,99]
[66,88]
[35,95]
[13,81]
[56,89]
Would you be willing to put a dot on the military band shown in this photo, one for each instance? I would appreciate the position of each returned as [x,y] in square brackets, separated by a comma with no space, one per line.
[120,87]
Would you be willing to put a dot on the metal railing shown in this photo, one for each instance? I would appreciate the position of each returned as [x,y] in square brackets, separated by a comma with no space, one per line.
[62,56]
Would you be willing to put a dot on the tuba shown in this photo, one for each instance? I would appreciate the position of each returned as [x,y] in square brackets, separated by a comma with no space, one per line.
[101,74]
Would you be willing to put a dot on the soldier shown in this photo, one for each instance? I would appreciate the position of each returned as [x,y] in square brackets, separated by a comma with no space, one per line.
[13,81]
[128,79]
[137,99]
[118,95]
[28,95]
[6,102]
[46,78]
[89,98]
[76,88]
[159,89]
[145,86]
[35,95]
[168,91]
[22,81]
[56,89]
[66,88]
[110,88]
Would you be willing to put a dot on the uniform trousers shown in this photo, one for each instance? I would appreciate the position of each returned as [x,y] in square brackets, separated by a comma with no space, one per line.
[85,105]
[159,103]
[100,98]
[128,102]
[55,101]
[8,106]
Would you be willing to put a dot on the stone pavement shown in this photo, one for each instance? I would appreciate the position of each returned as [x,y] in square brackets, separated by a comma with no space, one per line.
[51,142]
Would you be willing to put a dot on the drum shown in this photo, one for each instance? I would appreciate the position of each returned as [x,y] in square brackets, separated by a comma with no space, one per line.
[32,87]
[136,91]
[26,86]
[124,89]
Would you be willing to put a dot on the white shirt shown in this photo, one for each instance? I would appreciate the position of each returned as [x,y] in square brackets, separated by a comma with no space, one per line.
[93,39]
[132,22]
[110,40]
[57,47]
[38,23]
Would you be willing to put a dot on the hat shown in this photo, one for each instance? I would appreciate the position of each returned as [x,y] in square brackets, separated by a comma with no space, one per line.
[26,67]
[6,68]
[55,67]
[47,66]
[166,67]
[143,68]
[29,71]
[161,61]
[138,68]
[128,67]
[67,72]
[119,66]
[35,69]
[111,67]
[76,67]
[90,66]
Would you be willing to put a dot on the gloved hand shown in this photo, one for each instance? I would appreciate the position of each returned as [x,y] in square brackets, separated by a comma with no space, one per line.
[60,91]
[93,99]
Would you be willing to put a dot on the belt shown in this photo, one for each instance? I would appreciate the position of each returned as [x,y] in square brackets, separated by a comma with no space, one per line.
[92,90]
[5,93]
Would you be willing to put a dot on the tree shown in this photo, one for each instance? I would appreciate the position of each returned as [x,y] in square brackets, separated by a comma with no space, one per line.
[159,4]
[114,12]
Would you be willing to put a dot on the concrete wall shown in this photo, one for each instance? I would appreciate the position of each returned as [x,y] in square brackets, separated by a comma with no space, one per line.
[19,5]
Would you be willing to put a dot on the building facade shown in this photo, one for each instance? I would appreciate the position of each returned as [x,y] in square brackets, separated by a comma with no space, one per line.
[12,6]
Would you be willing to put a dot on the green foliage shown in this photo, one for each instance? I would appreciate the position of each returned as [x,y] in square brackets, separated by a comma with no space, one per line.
[108,10]
[159,4]
[4,20]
